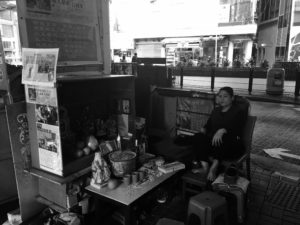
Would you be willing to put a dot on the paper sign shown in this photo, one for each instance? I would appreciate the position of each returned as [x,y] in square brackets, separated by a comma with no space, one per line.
[39,66]
[49,148]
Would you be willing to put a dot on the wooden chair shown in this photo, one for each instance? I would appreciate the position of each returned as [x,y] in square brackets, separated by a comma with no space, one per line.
[247,140]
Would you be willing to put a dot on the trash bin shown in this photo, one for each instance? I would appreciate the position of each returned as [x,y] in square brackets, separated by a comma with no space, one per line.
[275,81]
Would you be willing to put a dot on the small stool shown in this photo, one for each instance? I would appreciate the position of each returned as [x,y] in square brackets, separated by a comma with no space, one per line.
[193,182]
[239,190]
[167,221]
[208,206]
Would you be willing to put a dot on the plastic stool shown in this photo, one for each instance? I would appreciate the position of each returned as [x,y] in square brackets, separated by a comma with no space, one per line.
[167,221]
[208,206]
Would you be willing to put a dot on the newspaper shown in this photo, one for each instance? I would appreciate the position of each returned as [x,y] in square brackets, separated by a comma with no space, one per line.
[41,95]
[49,146]
[39,66]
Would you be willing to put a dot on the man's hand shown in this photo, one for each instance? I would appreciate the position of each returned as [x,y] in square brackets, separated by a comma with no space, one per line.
[217,138]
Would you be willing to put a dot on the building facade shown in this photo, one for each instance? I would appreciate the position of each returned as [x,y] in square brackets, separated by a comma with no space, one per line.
[226,33]
[278,33]
[10,33]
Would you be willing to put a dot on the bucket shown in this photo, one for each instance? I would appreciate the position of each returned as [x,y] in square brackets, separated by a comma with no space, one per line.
[122,162]
[231,175]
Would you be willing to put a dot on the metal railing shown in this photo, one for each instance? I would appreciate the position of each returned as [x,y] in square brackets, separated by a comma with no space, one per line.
[245,78]
[250,79]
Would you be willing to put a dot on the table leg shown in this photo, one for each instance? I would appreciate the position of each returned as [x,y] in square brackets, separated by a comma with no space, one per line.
[129,216]
[183,189]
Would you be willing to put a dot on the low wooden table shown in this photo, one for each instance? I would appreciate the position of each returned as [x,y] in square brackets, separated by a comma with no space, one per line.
[126,195]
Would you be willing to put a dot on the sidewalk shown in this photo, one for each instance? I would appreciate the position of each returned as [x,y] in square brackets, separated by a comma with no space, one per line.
[272,200]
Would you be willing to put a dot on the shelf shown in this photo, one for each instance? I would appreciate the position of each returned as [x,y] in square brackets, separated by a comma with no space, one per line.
[79,76]
[50,204]
[57,179]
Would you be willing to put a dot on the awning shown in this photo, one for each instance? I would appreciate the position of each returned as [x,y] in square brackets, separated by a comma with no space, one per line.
[180,40]
[190,39]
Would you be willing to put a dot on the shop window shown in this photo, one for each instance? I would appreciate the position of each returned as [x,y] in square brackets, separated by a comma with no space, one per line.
[269,9]
[8,54]
[7,31]
[5,14]
[6,44]
[280,22]
[261,53]
[279,53]
[241,11]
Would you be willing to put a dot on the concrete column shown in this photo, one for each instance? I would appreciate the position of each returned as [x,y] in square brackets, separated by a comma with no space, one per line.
[103,20]
[248,50]
[230,52]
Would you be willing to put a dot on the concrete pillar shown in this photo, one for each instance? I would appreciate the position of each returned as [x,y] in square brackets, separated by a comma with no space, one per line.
[248,50]
[230,52]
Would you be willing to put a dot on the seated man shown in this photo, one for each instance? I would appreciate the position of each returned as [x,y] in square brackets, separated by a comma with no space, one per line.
[220,138]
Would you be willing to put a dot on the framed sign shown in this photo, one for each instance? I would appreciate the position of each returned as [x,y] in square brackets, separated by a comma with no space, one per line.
[72,26]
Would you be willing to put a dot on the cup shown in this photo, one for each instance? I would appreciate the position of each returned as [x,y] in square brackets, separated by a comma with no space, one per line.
[127,179]
[141,175]
[135,177]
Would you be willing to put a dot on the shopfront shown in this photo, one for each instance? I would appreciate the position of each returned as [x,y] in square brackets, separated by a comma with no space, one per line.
[195,50]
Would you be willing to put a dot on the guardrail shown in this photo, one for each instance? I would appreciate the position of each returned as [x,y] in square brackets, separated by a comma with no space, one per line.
[248,74]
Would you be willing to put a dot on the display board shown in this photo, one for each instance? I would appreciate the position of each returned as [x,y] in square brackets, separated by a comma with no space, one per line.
[73,26]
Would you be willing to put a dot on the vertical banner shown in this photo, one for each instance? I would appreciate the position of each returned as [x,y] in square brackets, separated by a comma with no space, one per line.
[3,71]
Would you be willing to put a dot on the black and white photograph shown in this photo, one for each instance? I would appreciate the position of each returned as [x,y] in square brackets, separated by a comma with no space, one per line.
[46,114]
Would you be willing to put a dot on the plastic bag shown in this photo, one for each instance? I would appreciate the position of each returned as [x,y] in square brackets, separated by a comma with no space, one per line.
[100,171]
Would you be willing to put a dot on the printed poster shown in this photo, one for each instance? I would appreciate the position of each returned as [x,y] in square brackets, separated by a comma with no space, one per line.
[49,146]
[41,95]
[39,66]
